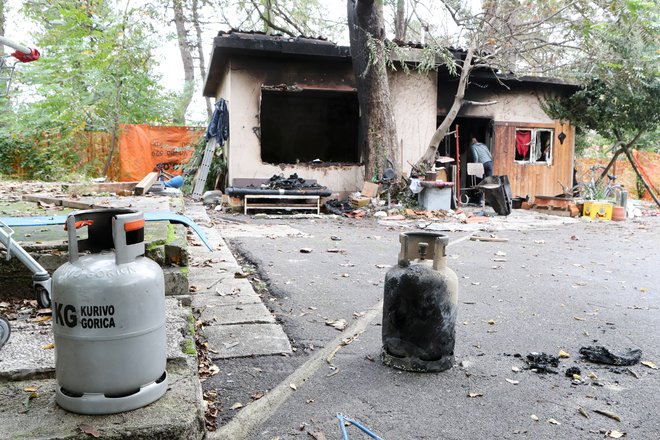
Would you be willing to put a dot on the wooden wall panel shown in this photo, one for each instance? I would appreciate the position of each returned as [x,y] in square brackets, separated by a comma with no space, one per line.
[534,180]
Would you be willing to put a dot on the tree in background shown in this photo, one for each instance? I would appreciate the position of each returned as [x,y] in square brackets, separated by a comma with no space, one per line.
[505,37]
[96,73]
[289,17]
[377,130]
[196,21]
[185,50]
[620,76]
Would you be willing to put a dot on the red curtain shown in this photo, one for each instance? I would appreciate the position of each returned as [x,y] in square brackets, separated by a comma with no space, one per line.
[523,138]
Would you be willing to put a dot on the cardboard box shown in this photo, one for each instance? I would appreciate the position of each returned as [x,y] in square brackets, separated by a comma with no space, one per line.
[370,189]
[358,202]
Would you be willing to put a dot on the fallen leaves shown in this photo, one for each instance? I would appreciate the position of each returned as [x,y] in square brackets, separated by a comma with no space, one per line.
[236,406]
[609,414]
[563,354]
[615,434]
[339,324]
[211,409]
[293,386]
[257,395]
[513,382]
[306,250]
[88,429]
[474,394]
[317,434]
[650,365]
[554,422]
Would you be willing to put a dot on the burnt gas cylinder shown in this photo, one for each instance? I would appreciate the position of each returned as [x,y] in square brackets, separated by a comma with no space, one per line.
[419,307]
[108,316]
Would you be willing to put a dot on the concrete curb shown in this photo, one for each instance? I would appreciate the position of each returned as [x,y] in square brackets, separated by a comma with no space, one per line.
[236,322]
[249,418]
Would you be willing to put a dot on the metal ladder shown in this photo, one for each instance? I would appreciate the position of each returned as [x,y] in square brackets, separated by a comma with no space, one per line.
[203,171]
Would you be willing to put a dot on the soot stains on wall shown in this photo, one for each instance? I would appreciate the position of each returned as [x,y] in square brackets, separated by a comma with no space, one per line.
[306,125]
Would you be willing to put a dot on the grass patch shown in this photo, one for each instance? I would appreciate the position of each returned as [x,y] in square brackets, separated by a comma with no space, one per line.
[189,347]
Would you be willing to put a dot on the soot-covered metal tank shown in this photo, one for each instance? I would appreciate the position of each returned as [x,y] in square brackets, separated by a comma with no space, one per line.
[419,309]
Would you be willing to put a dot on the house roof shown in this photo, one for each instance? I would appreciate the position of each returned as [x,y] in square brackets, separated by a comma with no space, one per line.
[231,43]
[226,44]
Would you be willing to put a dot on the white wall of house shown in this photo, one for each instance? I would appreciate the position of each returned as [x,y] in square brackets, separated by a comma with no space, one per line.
[414,102]
[509,105]
[413,98]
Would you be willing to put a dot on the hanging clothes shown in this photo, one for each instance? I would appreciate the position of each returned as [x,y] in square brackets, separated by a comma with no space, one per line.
[219,125]
[523,139]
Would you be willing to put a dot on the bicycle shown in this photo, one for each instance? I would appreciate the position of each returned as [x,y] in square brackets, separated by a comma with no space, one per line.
[593,187]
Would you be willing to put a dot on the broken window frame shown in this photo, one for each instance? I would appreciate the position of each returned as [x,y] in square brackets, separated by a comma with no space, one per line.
[292,90]
[535,154]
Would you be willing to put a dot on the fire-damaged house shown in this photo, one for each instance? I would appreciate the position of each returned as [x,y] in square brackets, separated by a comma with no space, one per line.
[294,109]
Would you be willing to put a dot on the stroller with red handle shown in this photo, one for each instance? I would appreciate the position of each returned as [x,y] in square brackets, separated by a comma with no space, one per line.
[21,54]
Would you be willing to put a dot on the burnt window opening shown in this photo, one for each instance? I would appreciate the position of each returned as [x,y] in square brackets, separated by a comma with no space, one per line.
[534,146]
[303,126]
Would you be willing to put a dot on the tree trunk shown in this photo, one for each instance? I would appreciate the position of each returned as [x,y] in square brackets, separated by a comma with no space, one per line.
[188,67]
[2,25]
[400,21]
[609,165]
[377,131]
[428,159]
[268,13]
[644,182]
[200,53]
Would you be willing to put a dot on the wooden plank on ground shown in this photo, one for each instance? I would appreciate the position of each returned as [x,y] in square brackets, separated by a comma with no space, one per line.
[109,187]
[560,212]
[146,183]
[43,199]
[67,203]
[555,202]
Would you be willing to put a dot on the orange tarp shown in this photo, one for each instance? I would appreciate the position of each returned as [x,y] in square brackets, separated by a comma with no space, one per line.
[142,147]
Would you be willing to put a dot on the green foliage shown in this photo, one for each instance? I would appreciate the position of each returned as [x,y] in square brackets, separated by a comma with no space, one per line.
[96,72]
[217,169]
[620,93]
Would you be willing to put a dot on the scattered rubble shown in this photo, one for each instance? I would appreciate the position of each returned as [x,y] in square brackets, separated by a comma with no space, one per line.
[602,355]
[292,182]
[542,363]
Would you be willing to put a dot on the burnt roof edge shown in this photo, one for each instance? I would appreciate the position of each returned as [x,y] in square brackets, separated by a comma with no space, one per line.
[229,43]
